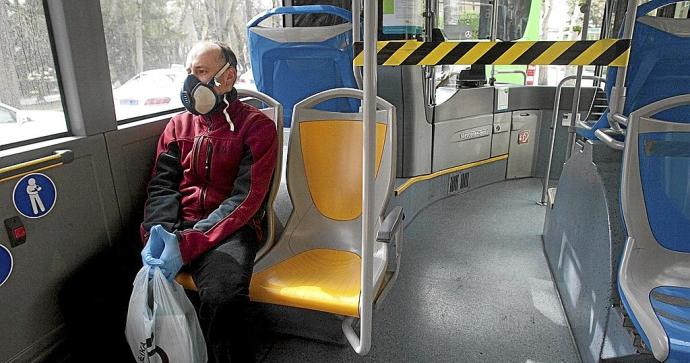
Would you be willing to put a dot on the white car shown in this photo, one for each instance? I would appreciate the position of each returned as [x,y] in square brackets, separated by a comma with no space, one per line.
[19,125]
[149,92]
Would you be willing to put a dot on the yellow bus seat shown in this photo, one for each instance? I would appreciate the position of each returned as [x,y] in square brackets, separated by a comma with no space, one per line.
[316,264]
[318,279]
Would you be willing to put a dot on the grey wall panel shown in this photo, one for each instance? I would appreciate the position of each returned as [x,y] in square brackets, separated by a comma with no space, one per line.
[422,194]
[501,133]
[583,241]
[466,103]
[403,87]
[462,141]
[84,221]
[543,97]
[559,147]
[132,151]
[523,153]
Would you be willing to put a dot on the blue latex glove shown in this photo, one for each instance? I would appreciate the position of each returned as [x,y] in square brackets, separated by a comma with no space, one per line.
[163,252]
[151,253]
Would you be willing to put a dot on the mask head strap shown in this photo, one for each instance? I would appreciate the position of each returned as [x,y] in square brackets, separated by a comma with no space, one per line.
[215,76]
[228,62]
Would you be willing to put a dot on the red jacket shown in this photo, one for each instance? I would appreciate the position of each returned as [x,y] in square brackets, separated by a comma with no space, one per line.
[212,172]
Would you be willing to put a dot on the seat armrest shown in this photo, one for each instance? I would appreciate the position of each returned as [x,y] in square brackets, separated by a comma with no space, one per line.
[390,225]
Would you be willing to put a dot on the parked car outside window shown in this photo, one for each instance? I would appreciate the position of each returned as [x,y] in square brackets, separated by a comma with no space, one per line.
[149,92]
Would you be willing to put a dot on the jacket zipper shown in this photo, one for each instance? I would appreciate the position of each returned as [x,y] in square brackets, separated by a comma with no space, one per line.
[209,152]
[207,168]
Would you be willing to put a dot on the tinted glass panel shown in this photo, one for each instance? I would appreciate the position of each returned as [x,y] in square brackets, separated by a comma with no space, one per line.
[148,42]
[30,101]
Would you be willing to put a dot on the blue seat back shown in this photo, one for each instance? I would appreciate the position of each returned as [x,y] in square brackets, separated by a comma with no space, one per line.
[291,64]
[655,198]
[658,68]
[665,175]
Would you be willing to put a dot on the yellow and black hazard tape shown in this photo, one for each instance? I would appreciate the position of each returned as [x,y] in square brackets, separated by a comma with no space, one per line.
[605,52]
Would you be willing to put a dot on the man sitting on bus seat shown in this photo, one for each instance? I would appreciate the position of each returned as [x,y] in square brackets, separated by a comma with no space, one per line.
[204,210]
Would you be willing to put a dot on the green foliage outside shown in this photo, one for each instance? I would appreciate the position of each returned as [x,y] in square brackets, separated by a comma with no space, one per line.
[471,21]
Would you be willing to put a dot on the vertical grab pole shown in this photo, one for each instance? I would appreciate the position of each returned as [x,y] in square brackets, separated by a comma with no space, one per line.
[357,35]
[369,143]
[554,125]
[618,92]
[578,88]
[429,71]
[362,344]
[494,31]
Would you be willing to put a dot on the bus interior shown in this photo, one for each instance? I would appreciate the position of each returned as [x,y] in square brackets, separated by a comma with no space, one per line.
[465,181]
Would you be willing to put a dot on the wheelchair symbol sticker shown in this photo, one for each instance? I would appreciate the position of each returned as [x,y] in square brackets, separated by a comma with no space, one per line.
[34,195]
[6,264]
[523,137]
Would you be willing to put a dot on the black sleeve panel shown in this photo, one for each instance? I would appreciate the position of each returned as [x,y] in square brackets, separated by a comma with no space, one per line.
[163,202]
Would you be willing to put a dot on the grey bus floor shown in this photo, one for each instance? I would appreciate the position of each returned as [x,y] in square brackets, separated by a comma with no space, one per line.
[474,286]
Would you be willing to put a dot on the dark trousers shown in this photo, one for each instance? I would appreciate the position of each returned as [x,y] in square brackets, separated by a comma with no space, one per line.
[222,277]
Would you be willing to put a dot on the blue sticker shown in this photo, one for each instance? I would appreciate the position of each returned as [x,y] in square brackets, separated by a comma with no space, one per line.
[34,195]
[6,263]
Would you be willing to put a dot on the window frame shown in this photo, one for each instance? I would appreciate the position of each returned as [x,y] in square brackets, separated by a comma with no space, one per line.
[58,75]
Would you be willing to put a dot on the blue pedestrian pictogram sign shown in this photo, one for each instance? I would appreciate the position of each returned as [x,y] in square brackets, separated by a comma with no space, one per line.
[6,263]
[34,195]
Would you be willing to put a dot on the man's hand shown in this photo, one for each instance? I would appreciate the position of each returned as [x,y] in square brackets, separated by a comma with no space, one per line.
[162,250]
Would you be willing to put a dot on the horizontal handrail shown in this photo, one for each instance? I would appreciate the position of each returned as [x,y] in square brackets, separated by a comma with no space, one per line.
[58,158]
[620,119]
[602,135]
[554,124]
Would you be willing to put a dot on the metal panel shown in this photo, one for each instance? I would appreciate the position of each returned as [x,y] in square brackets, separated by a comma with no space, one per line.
[466,103]
[524,139]
[83,222]
[583,241]
[77,27]
[501,133]
[403,87]
[462,141]
[542,98]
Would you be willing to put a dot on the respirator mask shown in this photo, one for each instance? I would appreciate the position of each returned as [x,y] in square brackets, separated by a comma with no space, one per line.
[199,98]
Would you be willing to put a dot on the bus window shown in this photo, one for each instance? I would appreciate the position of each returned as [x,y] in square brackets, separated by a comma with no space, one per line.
[465,20]
[678,10]
[30,101]
[469,20]
[563,21]
[147,42]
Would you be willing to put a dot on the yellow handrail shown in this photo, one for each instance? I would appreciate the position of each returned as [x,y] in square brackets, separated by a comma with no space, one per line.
[60,157]
[417,179]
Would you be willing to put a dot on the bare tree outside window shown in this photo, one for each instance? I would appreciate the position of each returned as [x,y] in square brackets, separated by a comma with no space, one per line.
[30,102]
[148,40]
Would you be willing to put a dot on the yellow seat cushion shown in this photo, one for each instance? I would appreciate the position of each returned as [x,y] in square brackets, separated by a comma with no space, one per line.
[319,279]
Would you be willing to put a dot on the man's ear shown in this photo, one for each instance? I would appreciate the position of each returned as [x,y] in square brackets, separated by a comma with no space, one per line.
[231,76]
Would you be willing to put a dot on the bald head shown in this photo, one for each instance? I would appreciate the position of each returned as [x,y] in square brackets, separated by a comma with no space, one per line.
[206,49]
[206,59]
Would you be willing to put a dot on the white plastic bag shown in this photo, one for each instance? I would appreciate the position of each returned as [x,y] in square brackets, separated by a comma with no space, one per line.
[162,326]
